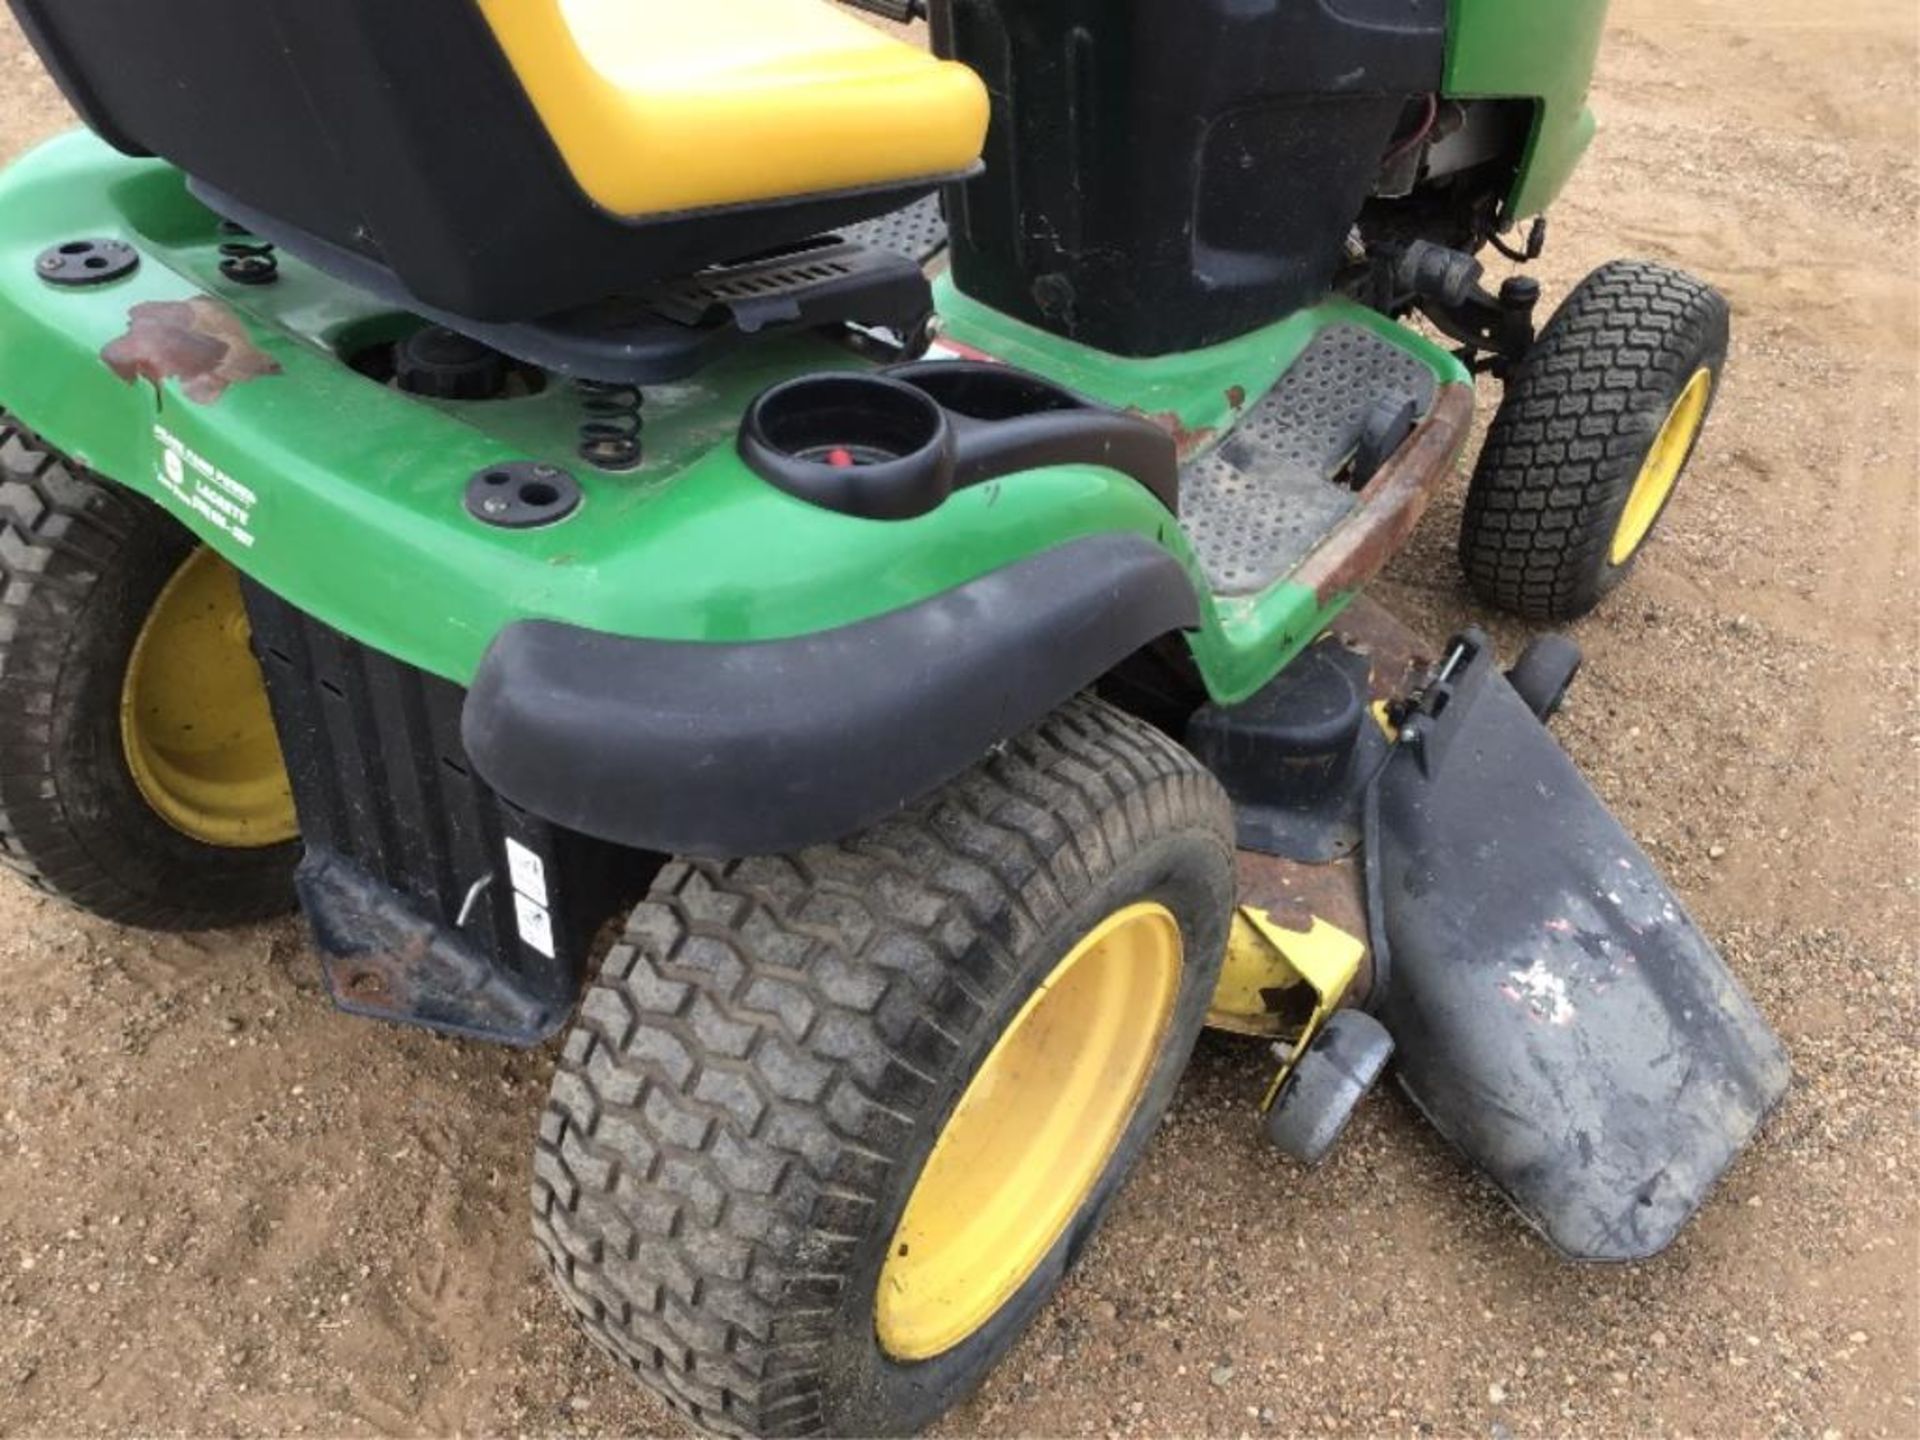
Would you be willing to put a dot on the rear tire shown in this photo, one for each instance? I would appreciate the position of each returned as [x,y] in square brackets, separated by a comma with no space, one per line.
[1547,531]
[83,563]
[761,1073]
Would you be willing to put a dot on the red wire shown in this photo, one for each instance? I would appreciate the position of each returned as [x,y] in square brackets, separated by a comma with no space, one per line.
[1425,129]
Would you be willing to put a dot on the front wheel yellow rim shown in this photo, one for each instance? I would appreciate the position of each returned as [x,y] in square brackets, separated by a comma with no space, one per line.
[195,725]
[1032,1135]
[1661,470]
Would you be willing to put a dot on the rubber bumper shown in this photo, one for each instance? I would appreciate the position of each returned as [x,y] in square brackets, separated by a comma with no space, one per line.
[721,750]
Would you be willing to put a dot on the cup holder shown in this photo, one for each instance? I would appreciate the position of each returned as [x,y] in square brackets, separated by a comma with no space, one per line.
[896,444]
[989,393]
[861,445]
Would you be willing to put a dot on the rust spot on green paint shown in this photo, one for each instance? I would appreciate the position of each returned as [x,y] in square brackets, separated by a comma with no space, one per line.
[198,342]
[1187,441]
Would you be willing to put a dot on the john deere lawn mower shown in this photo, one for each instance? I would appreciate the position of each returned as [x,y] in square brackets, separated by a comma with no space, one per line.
[875,528]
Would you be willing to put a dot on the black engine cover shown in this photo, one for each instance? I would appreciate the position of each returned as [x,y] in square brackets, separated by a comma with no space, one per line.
[1167,174]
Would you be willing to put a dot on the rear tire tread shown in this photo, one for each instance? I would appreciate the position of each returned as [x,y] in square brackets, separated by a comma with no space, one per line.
[768,1028]
[63,533]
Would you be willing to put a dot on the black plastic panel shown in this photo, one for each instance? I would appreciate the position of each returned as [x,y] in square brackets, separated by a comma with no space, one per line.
[1166,174]
[648,334]
[1558,1015]
[419,880]
[1297,755]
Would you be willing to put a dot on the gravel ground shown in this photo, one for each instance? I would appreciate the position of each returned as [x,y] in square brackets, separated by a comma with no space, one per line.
[226,1209]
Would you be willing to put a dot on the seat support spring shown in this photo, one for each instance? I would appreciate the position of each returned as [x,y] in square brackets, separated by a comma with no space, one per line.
[610,433]
[246,259]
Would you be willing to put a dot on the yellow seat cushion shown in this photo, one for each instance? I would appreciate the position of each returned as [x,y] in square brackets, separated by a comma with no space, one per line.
[661,106]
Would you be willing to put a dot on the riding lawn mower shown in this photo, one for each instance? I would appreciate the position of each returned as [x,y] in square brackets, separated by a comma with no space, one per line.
[827,570]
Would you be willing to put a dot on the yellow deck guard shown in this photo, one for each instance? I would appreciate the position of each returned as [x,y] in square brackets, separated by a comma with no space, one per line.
[1324,958]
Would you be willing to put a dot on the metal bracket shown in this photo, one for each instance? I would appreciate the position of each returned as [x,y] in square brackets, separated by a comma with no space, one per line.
[1324,958]
[522,495]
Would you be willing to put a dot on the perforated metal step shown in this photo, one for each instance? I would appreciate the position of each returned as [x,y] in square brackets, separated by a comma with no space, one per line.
[1257,504]
[919,231]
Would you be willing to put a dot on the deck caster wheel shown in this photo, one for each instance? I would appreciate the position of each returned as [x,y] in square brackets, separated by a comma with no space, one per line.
[1328,1083]
[140,772]
[1544,673]
[834,1125]
[1597,424]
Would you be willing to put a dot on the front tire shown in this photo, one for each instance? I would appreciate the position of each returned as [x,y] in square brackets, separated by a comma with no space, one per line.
[1597,424]
[802,1166]
[140,778]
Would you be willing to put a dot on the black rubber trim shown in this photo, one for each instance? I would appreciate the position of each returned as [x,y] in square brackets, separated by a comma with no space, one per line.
[720,750]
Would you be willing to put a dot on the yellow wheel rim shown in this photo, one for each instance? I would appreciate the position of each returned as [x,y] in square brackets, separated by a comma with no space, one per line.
[1032,1135]
[1661,470]
[194,721]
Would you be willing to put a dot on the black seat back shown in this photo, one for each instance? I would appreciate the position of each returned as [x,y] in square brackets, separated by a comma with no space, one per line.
[394,128]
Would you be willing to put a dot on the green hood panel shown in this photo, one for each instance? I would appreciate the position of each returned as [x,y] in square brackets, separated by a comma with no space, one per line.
[1539,50]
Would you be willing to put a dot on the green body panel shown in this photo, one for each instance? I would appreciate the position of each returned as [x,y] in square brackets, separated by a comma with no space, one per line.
[1541,50]
[1200,396]
[345,496]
